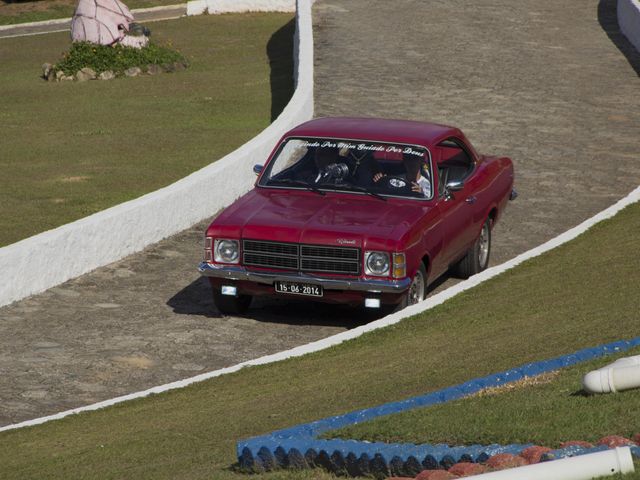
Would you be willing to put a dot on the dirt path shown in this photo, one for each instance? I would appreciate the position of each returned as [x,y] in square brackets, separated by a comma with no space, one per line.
[550,84]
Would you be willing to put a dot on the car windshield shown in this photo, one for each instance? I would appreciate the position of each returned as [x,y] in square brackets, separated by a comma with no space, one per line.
[376,168]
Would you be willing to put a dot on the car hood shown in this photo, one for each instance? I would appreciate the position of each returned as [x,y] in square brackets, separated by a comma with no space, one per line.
[331,219]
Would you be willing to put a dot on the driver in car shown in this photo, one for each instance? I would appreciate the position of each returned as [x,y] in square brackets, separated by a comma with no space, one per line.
[329,164]
[333,165]
[323,162]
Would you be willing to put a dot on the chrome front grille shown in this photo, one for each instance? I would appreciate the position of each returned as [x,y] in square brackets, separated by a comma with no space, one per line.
[271,254]
[270,261]
[314,265]
[318,251]
[316,258]
[304,258]
[271,248]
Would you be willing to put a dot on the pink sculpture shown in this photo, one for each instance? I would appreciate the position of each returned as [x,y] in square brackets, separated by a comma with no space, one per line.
[105,22]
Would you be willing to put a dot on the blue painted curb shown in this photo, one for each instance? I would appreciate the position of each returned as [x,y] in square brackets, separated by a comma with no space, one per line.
[299,447]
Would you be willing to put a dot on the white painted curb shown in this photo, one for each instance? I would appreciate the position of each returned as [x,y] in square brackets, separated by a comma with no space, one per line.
[44,23]
[427,304]
[67,21]
[50,258]
[198,7]
[225,6]
[629,20]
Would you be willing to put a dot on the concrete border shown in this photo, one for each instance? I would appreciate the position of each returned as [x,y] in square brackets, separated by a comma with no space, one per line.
[43,23]
[427,304]
[629,20]
[197,7]
[67,21]
[226,6]
[40,262]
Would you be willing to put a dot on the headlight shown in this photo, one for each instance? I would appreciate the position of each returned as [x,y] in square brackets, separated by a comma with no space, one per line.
[376,263]
[226,251]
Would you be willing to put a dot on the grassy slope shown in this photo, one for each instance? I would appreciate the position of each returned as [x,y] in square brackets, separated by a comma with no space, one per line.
[579,295]
[34,11]
[546,413]
[71,149]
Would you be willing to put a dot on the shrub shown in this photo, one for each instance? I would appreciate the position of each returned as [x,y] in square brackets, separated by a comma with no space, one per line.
[116,58]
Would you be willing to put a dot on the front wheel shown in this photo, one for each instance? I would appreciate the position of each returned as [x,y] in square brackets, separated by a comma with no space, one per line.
[477,257]
[231,305]
[418,288]
[416,293]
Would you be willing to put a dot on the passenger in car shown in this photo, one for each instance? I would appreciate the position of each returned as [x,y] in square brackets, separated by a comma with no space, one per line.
[417,174]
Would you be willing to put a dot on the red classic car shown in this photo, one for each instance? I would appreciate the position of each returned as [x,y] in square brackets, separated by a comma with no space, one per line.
[358,211]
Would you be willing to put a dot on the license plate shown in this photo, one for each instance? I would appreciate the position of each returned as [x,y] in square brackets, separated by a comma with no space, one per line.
[296,288]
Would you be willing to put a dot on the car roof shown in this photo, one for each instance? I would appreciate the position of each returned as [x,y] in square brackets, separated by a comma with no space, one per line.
[376,129]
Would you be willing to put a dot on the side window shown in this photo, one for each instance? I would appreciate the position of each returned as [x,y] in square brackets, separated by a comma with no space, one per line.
[455,163]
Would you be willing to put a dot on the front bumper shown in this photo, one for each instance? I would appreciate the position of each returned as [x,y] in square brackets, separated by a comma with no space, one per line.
[238,273]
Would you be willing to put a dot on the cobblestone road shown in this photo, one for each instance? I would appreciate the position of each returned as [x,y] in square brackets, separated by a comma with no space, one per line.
[552,84]
[540,81]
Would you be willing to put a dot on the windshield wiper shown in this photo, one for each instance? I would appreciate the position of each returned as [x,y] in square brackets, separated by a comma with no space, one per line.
[299,183]
[358,188]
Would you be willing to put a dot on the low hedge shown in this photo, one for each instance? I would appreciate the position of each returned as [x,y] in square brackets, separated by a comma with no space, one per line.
[117,58]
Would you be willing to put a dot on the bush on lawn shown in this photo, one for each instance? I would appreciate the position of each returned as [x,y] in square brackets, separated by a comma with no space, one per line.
[116,58]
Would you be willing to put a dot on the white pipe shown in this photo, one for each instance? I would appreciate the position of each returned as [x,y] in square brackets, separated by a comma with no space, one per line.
[613,379]
[582,467]
[624,362]
[606,380]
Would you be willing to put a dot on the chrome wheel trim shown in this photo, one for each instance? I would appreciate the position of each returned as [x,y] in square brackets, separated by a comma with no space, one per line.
[483,243]
[416,289]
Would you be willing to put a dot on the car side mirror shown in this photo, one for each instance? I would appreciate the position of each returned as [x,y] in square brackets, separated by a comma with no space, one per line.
[257,169]
[450,187]
[455,186]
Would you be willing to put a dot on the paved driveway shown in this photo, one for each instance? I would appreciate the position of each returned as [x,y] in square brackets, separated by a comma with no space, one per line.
[551,84]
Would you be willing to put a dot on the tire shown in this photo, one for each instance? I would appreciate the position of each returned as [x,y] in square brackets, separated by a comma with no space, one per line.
[416,293]
[477,257]
[231,305]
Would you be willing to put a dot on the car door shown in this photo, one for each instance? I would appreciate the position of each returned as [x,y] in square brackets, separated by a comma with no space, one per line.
[456,203]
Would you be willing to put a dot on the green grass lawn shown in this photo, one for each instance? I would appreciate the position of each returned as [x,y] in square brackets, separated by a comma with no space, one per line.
[547,411]
[71,149]
[38,10]
[582,294]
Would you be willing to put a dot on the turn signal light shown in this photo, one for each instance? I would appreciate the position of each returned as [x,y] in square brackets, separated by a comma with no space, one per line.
[399,265]
[208,244]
